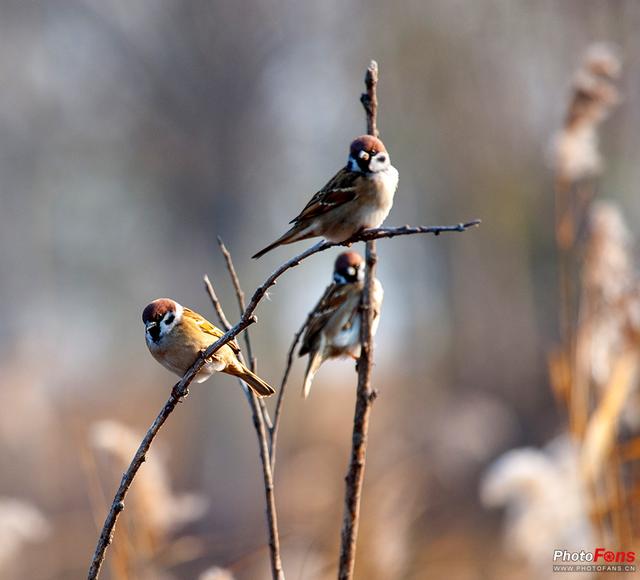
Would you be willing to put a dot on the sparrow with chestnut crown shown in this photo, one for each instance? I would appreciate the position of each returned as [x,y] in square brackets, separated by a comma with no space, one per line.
[176,336]
[334,326]
[358,197]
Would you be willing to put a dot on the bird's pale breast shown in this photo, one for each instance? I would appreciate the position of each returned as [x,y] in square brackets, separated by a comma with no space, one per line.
[368,210]
[178,350]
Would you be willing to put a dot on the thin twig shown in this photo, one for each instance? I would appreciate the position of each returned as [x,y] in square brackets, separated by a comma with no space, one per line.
[180,390]
[365,235]
[376,234]
[379,233]
[224,321]
[261,432]
[253,361]
[285,378]
[246,320]
[235,280]
[369,99]
[365,395]
[240,297]
[273,432]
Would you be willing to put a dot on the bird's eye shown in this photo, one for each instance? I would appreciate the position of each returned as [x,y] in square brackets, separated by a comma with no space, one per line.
[170,319]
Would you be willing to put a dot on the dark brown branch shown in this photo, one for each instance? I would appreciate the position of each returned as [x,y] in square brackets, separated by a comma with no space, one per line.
[273,432]
[224,321]
[272,516]
[180,390]
[365,395]
[253,361]
[376,234]
[235,280]
[365,235]
[369,99]
[118,501]
[246,320]
[379,233]
[261,432]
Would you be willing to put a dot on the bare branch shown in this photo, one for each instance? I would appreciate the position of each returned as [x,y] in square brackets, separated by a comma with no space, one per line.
[224,321]
[253,361]
[178,392]
[365,235]
[368,235]
[247,318]
[272,516]
[379,233]
[235,280]
[283,384]
[261,432]
[369,99]
[365,395]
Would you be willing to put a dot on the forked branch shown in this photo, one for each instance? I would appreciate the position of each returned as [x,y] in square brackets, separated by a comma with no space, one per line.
[257,412]
[261,417]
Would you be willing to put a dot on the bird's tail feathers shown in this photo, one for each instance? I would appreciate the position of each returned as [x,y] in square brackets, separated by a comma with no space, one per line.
[315,360]
[295,234]
[254,382]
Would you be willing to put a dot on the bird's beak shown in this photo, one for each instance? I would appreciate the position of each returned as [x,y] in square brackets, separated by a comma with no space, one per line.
[150,325]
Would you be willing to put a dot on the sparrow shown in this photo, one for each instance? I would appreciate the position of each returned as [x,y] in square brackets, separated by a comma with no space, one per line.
[333,329]
[358,197]
[176,336]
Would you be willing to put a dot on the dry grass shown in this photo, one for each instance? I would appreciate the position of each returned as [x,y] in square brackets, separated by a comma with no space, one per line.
[594,371]
[589,492]
[149,541]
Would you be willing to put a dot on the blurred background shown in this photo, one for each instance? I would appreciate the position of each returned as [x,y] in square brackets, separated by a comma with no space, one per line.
[132,134]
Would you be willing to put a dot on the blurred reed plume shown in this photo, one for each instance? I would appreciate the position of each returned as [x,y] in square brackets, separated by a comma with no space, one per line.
[605,377]
[541,490]
[576,146]
[581,489]
[157,512]
[21,523]
[577,161]
[594,370]
[216,573]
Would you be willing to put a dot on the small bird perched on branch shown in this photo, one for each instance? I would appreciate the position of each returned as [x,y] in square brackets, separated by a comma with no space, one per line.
[334,325]
[358,197]
[176,336]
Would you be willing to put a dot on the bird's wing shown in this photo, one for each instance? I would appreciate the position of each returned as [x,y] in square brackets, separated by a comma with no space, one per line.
[211,329]
[334,297]
[341,189]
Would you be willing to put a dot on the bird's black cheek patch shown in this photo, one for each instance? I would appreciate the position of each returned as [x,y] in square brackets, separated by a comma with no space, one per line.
[155,333]
[363,164]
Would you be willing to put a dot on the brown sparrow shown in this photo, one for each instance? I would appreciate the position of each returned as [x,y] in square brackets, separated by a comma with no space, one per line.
[176,336]
[334,325]
[358,197]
